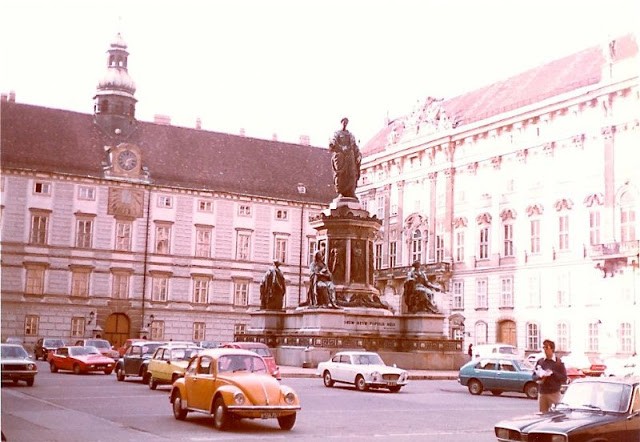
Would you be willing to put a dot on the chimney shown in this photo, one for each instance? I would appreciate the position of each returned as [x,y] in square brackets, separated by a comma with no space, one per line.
[12,96]
[198,123]
[162,119]
[3,97]
[274,137]
[242,132]
[304,140]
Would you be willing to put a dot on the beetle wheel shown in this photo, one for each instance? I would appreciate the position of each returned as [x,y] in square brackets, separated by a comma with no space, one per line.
[221,418]
[326,378]
[475,387]
[120,374]
[178,412]
[287,422]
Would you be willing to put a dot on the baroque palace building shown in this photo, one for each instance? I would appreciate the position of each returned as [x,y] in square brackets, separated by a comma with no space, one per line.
[525,195]
[122,228]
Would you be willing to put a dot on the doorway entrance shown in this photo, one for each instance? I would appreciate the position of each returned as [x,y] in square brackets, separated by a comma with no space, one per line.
[507,333]
[116,329]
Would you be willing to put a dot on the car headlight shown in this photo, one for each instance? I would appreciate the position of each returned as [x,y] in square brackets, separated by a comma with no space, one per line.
[31,367]
[238,398]
[290,397]
[403,376]
[502,433]
[376,376]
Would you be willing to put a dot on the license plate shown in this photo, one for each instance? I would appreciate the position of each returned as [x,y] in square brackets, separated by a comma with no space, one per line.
[392,383]
[269,415]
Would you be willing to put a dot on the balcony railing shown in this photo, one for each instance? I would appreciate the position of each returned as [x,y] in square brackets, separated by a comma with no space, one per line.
[622,249]
[433,268]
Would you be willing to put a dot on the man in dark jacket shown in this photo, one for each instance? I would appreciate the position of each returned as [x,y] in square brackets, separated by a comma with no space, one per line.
[550,374]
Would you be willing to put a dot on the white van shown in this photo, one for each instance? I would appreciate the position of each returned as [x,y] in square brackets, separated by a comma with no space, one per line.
[505,351]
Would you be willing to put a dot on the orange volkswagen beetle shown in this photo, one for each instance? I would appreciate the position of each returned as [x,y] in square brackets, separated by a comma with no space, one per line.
[231,384]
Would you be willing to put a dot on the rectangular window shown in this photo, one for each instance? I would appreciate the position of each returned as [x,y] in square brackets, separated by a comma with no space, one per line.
[458,295]
[165,202]
[313,248]
[483,251]
[378,258]
[439,248]
[459,245]
[77,327]
[627,224]
[534,291]
[39,224]
[84,233]
[563,294]
[593,343]
[244,210]
[157,331]
[35,281]
[506,292]
[535,236]
[42,188]
[241,293]
[280,250]
[80,283]
[563,232]
[199,329]
[481,293]
[31,323]
[625,338]
[203,242]
[163,239]
[160,288]
[243,246]
[393,250]
[416,247]
[200,290]
[380,207]
[508,239]
[123,235]
[86,193]
[120,288]
[282,215]
[205,206]
[533,337]
[563,337]
[594,227]
[239,329]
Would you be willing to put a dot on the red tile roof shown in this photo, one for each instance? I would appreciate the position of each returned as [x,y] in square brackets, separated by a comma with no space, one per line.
[59,141]
[559,76]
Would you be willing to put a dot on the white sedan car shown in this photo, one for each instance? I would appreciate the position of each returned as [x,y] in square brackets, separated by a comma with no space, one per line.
[363,369]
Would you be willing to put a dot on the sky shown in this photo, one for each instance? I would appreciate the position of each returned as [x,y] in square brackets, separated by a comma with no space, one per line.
[290,67]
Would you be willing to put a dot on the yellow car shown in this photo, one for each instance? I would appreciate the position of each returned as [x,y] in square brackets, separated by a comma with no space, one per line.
[229,384]
[169,363]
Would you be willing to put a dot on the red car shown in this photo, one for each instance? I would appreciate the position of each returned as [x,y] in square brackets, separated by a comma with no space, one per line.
[588,365]
[80,360]
[262,350]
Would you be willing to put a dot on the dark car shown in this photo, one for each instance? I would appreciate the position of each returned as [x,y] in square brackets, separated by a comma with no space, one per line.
[16,364]
[45,345]
[498,375]
[136,360]
[262,350]
[598,409]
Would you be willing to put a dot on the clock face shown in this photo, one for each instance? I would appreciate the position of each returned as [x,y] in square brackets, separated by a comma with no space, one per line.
[127,160]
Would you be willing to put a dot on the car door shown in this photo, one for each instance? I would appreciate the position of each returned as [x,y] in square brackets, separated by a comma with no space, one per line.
[132,360]
[63,361]
[487,372]
[342,368]
[200,381]
[508,378]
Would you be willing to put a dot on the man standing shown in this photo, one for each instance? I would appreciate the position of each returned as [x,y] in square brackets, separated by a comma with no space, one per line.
[550,373]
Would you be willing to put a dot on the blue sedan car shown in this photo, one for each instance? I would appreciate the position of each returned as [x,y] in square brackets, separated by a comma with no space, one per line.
[498,375]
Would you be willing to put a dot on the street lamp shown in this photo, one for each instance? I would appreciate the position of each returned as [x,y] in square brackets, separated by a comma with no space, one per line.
[91,316]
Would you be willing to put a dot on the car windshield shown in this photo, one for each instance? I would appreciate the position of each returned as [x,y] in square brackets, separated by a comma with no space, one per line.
[98,343]
[262,351]
[604,396]
[13,351]
[183,354]
[53,343]
[235,363]
[368,359]
[149,349]
[83,351]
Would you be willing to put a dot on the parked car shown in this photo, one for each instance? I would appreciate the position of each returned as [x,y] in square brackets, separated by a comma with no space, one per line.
[122,350]
[45,345]
[208,344]
[363,369]
[589,365]
[80,360]
[135,361]
[496,351]
[231,384]
[102,345]
[602,409]
[16,365]
[14,340]
[622,366]
[262,350]
[168,363]
[498,375]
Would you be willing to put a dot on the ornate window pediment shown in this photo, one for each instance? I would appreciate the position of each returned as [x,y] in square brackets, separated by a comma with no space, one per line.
[507,214]
[484,218]
[563,204]
[594,198]
[460,222]
[535,210]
